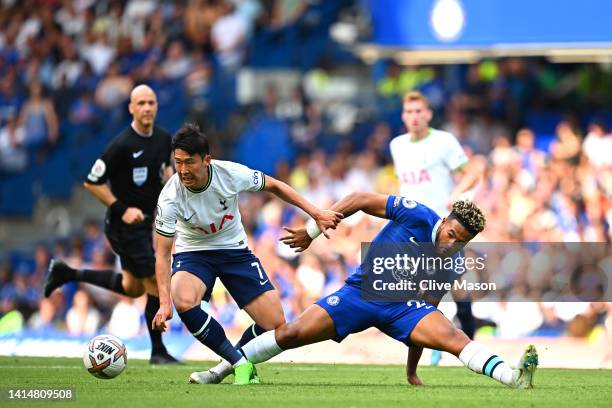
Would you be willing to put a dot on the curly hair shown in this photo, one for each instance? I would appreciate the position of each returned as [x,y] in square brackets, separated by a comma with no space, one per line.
[469,215]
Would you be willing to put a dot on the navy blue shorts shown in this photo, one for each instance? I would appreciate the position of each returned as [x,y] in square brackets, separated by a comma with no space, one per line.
[238,269]
[352,314]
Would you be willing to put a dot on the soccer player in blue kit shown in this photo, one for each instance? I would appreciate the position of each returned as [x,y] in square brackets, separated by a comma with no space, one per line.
[417,324]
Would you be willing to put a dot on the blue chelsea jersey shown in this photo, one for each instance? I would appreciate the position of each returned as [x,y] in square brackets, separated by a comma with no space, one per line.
[409,222]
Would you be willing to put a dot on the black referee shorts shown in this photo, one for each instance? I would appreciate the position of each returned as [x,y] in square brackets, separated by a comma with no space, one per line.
[133,244]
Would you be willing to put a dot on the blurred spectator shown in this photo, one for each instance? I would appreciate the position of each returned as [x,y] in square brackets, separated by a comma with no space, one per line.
[176,64]
[82,318]
[84,111]
[71,20]
[11,319]
[199,18]
[38,119]
[568,144]
[10,99]
[70,66]
[228,37]
[113,89]
[44,318]
[13,155]
[125,319]
[97,51]
[597,146]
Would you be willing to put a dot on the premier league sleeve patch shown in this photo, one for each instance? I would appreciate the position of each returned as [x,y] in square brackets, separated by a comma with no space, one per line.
[97,171]
[410,204]
[139,175]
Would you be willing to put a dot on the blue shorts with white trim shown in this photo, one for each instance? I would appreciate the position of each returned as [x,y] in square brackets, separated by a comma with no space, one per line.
[238,269]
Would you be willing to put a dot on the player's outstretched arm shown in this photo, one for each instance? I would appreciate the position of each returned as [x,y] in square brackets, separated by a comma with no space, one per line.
[370,203]
[163,252]
[324,218]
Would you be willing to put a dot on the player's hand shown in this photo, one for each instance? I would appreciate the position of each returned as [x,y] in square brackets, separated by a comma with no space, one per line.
[163,314]
[414,379]
[327,219]
[297,238]
[132,215]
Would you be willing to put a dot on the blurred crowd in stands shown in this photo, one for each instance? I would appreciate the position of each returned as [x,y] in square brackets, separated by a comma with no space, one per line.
[537,133]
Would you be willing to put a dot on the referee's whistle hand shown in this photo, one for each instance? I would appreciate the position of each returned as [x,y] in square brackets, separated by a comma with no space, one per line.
[133,215]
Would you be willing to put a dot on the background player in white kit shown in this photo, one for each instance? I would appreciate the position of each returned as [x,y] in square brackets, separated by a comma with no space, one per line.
[199,205]
[427,161]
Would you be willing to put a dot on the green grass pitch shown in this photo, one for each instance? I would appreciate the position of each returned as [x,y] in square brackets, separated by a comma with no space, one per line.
[302,385]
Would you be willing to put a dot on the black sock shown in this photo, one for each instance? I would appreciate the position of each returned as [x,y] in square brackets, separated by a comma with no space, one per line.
[249,334]
[157,346]
[106,278]
[466,318]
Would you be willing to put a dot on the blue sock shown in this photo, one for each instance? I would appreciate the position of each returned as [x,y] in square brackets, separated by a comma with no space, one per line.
[210,333]
[249,334]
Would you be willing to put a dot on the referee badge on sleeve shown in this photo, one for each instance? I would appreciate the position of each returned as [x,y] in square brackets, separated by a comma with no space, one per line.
[139,175]
[97,171]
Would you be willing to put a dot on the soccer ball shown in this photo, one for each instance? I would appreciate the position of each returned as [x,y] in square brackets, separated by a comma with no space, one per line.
[105,356]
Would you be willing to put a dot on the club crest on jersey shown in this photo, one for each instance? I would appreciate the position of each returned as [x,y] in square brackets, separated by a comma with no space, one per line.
[333,300]
[410,204]
[139,175]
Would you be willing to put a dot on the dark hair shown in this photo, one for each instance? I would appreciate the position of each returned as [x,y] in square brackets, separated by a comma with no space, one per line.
[191,139]
[469,215]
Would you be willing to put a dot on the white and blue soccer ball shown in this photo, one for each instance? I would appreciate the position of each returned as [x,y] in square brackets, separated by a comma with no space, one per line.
[105,356]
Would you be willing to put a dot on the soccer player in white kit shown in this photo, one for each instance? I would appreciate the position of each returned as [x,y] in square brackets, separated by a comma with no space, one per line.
[198,212]
[426,162]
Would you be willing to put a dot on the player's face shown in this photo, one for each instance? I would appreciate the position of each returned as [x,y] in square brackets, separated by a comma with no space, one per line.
[192,170]
[452,236]
[416,117]
[143,108]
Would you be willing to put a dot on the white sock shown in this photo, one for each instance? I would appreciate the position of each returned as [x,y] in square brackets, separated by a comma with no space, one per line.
[261,348]
[477,358]
[240,362]
[223,369]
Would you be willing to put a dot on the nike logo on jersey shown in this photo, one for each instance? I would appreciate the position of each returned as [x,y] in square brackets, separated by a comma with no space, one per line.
[137,154]
[414,241]
[263,283]
[190,217]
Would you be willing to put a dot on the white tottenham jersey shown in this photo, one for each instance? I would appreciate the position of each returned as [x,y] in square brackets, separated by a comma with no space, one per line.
[424,168]
[208,218]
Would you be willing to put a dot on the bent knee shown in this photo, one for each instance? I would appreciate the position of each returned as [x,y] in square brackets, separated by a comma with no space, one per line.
[456,340]
[287,336]
[184,301]
[133,288]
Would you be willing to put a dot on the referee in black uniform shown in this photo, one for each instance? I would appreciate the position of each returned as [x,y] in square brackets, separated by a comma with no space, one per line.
[136,163]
